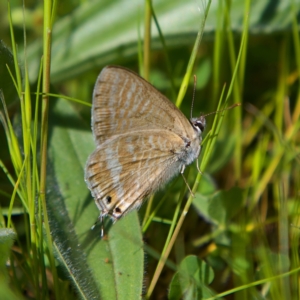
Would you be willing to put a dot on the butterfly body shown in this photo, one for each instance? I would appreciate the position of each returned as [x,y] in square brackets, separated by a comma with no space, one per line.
[142,141]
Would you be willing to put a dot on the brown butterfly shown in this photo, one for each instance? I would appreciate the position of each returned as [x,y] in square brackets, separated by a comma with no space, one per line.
[142,141]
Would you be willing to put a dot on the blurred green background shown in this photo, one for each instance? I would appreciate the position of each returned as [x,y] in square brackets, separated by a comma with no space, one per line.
[249,194]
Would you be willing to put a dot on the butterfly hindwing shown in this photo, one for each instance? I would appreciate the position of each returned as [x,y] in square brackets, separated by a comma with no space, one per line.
[124,170]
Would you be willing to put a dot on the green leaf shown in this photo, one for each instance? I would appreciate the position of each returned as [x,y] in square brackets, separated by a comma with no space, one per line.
[207,185]
[191,280]
[111,268]
[219,207]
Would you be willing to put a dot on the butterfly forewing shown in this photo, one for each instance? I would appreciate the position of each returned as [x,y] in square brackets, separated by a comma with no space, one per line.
[123,102]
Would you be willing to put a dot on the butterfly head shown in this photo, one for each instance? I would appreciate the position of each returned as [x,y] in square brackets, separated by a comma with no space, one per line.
[198,124]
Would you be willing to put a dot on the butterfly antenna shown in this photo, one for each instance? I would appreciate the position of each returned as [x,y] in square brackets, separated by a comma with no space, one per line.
[227,108]
[194,92]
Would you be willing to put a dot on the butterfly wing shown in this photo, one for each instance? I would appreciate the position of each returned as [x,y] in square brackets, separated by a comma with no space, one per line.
[124,102]
[125,169]
[142,141]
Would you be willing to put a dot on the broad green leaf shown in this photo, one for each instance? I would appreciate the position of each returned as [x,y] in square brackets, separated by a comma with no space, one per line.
[111,268]
[191,280]
[219,207]
[207,185]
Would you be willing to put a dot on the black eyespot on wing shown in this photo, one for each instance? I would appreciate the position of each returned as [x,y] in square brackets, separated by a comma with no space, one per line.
[118,210]
[108,199]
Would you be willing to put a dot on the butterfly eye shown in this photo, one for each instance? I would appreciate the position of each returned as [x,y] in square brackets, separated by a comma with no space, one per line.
[199,125]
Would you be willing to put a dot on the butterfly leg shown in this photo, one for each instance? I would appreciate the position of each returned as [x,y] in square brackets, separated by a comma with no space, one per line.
[102,225]
[99,219]
[181,172]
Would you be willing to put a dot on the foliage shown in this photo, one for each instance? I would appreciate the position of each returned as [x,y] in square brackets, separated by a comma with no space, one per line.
[238,235]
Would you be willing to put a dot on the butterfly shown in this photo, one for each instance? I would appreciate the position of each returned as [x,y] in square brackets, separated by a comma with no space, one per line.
[142,141]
